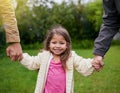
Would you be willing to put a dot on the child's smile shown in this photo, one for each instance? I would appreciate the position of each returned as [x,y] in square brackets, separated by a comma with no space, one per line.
[58,44]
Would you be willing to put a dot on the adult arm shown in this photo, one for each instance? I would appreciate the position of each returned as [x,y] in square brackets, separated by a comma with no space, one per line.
[9,21]
[14,50]
[110,26]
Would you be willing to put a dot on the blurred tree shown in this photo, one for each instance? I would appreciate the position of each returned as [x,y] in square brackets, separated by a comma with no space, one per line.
[28,23]
[92,19]
[35,17]
[93,12]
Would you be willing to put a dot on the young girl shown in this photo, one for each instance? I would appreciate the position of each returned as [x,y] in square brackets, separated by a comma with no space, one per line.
[56,63]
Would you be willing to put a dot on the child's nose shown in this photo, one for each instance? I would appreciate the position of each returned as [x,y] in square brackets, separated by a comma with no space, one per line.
[57,45]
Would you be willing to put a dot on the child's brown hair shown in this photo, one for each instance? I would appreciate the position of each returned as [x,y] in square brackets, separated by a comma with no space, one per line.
[58,29]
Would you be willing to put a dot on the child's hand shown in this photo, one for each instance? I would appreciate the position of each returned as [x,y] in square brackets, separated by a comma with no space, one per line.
[97,62]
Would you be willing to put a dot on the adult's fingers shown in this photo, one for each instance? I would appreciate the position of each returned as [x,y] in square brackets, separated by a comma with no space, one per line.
[12,55]
[16,57]
[8,51]
[20,57]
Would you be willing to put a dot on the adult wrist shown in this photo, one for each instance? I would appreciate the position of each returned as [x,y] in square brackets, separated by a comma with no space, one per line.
[10,43]
[101,57]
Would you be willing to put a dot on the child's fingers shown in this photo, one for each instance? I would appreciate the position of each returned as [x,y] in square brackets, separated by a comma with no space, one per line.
[97,67]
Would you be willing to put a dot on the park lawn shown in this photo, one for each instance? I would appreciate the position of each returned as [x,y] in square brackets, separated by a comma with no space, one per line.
[14,78]
[105,81]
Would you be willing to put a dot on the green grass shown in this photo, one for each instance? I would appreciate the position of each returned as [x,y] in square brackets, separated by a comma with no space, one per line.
[105,81]
[14,78]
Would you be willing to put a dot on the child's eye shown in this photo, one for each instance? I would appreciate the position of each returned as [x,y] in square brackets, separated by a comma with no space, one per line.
[53,42]
[62,43]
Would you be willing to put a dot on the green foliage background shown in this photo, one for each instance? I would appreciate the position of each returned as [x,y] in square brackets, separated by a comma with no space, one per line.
[35,17]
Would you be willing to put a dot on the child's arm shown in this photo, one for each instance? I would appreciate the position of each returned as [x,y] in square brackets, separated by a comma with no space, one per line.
[82,65]
[31,62]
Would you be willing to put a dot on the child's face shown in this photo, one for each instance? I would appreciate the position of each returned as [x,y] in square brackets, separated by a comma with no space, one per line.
[58,44]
